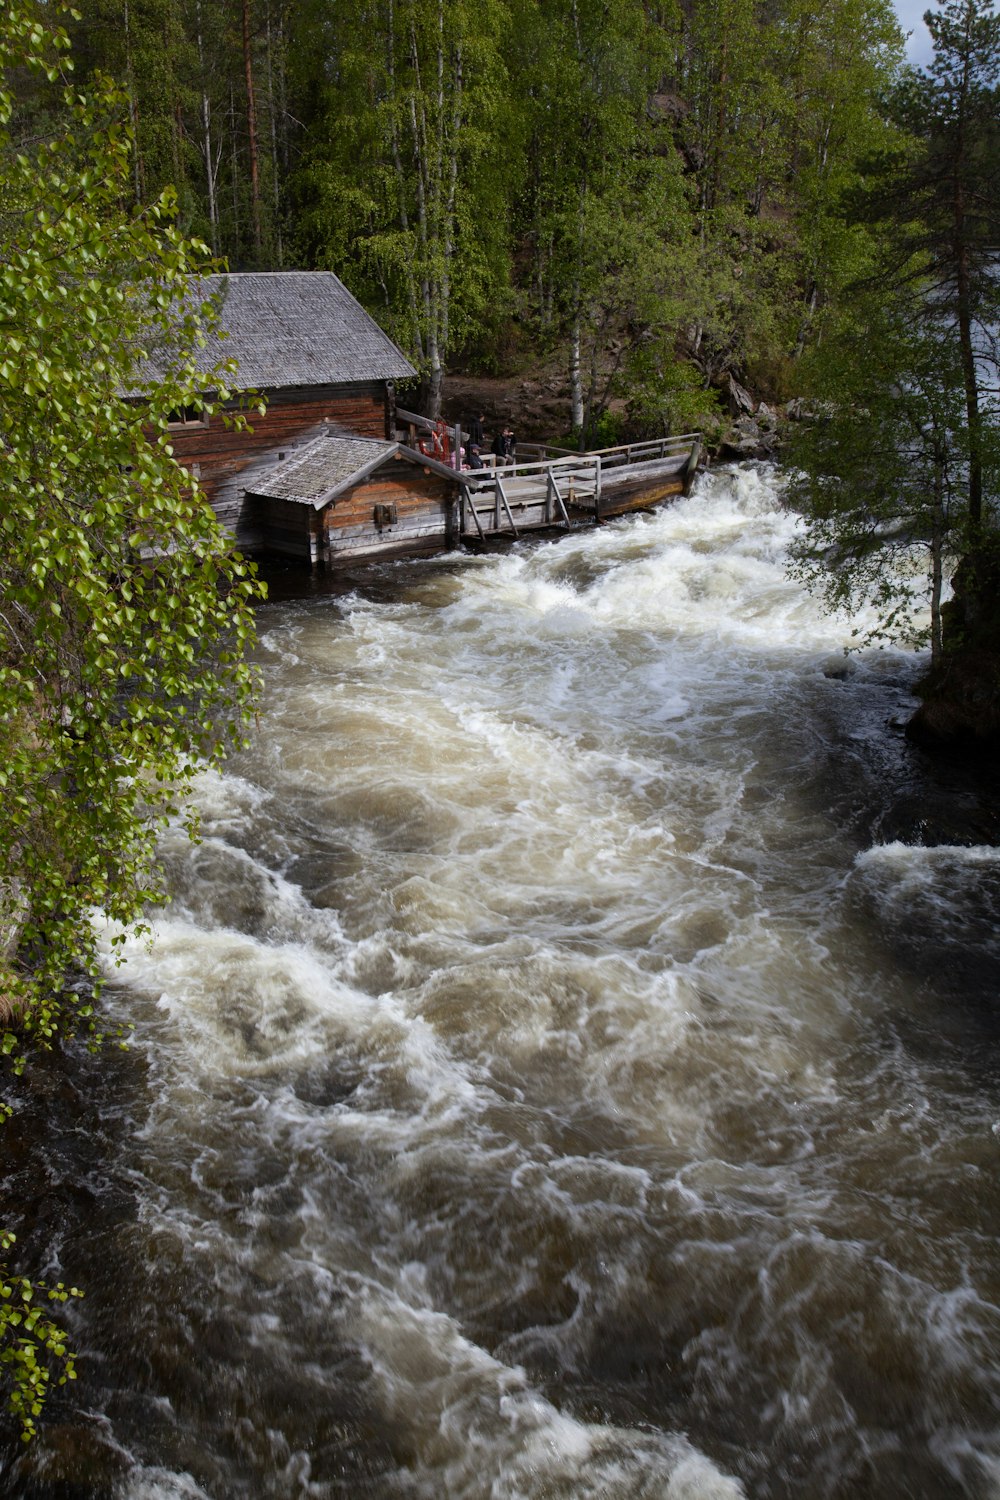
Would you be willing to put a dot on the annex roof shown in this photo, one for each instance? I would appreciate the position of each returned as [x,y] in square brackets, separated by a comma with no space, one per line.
[319,471]
[295,328]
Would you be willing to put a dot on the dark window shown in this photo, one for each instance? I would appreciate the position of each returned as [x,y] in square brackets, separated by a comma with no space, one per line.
[188,416]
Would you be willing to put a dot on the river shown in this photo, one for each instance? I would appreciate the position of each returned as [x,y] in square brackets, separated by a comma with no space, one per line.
[568,1066]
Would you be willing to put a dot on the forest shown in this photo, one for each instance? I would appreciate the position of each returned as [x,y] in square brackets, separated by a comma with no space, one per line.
[663,200]
[683,208]
[679,206]
[659,194]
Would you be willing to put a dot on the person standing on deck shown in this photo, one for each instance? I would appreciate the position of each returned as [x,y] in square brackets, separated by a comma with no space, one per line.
[477,434]
[442,441]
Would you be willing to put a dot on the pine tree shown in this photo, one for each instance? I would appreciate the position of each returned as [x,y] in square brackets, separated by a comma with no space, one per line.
[946,197]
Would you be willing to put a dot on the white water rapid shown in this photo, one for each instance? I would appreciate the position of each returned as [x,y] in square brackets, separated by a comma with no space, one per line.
[547,1082]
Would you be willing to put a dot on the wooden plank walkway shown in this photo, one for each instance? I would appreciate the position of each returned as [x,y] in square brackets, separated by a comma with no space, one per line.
[560,488]
[576,489]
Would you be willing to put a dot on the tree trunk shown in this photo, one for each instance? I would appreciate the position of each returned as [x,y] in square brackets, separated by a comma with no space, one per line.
[435,380]
[211,168]
[938,533]
[273,116]
[234,167]
[576,380]
[252,133]
[401,181]
[139,186]
[971,382]
[456,133]
[964,298]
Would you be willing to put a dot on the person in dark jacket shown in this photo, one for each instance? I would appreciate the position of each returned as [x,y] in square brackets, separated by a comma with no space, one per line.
[504,446]
[477,436]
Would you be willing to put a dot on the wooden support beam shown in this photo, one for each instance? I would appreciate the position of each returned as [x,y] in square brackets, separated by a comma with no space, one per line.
[501,492]
[467,500]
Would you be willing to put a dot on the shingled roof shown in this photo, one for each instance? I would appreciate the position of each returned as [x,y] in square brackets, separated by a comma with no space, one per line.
[321,470]
[292,328]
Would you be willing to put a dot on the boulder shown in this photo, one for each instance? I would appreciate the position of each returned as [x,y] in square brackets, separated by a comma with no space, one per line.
[746,439]
[961,704]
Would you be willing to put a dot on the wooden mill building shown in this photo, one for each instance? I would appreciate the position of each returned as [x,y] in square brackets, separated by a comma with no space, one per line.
[329,474]
[328,375]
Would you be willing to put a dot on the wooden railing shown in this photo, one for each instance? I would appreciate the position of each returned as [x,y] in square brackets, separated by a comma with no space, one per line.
[569,463]
[572,480]
[648,448]
[547,453]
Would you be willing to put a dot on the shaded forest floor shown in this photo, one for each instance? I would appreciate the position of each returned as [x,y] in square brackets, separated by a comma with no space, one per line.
[535,402]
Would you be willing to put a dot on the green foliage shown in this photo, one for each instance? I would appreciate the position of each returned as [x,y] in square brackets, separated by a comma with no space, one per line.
[945,196]
[840,59]
[124,614]
[602,171]
[31,1344]
[878,473]
[602,210]
[144,46]
[900,480]
[782,104]
[666,393]
[686,196]
[184,67]
[405,184]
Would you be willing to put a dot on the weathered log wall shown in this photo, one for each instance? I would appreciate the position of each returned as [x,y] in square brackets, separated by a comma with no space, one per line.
[224,460]
[425,515]
[618,500]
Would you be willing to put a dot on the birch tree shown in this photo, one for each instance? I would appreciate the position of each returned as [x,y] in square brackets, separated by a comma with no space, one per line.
[780,106]
[206,86]
[124,613]
[406,190]
[604,211]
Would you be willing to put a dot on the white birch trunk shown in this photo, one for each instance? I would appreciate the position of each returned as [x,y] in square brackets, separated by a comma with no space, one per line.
[576,379]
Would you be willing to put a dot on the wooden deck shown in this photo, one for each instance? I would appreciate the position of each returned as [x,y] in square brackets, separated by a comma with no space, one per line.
[553,487]
[576,489]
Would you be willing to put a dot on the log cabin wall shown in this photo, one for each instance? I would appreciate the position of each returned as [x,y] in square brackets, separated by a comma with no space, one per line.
[224,460]
[426,510]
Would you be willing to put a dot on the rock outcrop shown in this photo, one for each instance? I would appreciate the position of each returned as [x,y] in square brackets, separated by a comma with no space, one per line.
[960,706]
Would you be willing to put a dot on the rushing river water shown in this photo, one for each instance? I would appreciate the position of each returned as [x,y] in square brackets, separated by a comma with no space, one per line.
[563,1070]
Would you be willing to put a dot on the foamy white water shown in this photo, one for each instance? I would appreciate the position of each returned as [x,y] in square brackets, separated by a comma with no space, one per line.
[544,1085]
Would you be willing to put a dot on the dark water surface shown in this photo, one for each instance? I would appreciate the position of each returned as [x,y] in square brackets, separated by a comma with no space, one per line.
[568,1067]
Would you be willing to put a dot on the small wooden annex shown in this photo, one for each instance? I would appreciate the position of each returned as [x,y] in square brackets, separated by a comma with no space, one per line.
[324,366]
[340,499]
